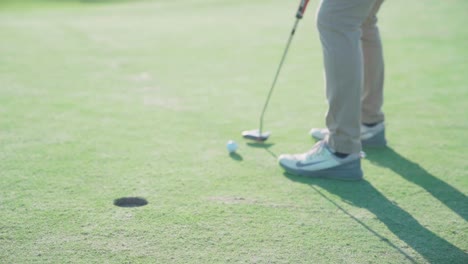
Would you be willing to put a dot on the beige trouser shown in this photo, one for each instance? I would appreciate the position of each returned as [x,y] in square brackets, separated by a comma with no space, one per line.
[354,69]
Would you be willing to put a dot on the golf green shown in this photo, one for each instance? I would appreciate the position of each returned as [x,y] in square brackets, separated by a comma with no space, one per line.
[103,100]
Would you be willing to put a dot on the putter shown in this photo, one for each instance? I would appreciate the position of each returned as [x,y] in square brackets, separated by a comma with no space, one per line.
[259,134]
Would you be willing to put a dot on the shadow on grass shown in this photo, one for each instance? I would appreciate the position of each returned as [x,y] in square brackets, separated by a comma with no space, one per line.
[101,1]
[236,156]
[264,146]
[59,2]
[362,194]
[413,172]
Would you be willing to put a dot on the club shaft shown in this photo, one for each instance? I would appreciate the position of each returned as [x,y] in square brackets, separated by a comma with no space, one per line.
[276,76]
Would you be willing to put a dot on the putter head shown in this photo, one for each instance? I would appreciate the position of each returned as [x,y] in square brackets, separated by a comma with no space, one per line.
[255,135]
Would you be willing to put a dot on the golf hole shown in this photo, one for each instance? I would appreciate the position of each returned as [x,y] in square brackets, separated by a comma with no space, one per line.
[130,202]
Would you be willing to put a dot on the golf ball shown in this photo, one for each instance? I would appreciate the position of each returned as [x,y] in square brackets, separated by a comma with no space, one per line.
[231,146]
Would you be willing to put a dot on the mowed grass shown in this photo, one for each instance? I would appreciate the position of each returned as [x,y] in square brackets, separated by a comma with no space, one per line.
[107,99]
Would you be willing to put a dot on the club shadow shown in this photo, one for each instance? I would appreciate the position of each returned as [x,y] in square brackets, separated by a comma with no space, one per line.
[259,145]
[362,194]
[103,1]
[265,146]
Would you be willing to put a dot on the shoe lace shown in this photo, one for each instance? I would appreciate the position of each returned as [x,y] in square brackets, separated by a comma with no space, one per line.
[317,150]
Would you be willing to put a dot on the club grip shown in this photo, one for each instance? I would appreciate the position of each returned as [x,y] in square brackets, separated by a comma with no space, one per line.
[302,8]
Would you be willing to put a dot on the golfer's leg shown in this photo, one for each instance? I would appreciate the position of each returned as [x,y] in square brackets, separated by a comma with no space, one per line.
[339,24]
[372,96]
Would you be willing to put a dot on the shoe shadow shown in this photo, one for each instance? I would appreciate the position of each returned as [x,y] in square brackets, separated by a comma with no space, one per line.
[413,172]
[362,194]
[264,146]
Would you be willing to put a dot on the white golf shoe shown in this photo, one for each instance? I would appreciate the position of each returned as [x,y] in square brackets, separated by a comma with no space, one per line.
[320,162]
[370,136]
